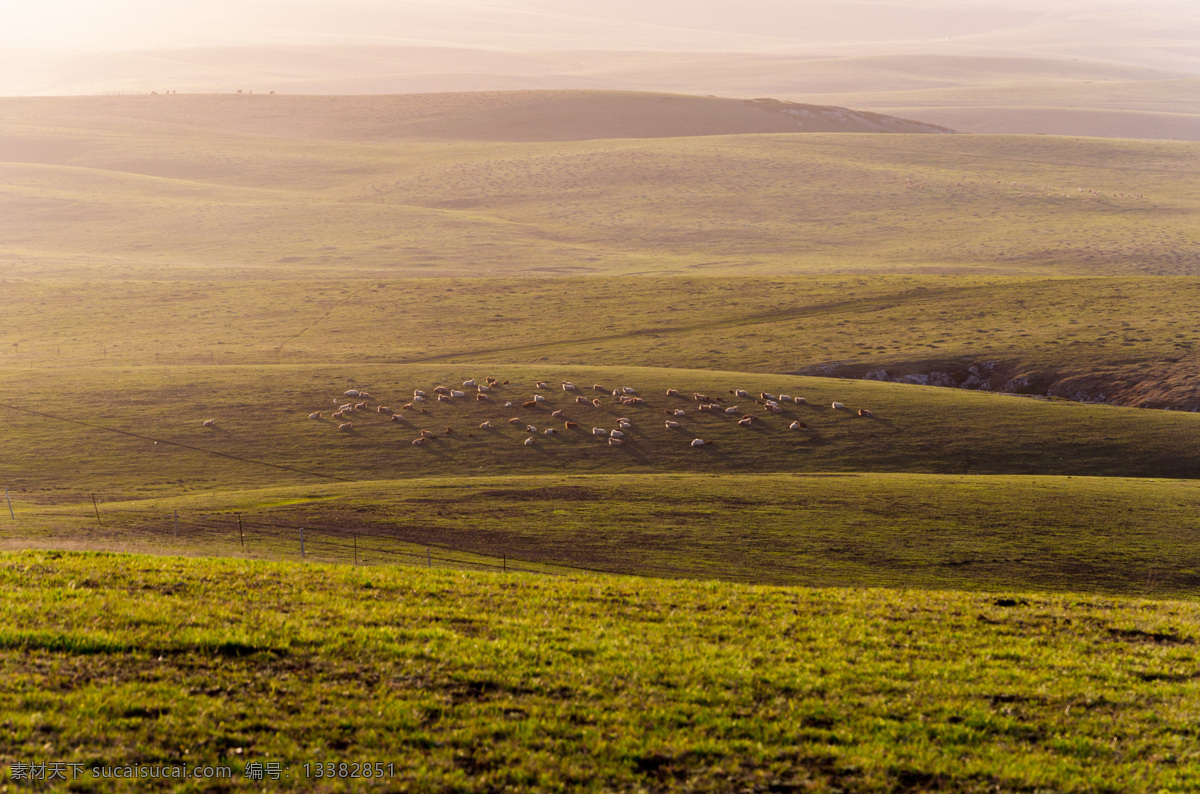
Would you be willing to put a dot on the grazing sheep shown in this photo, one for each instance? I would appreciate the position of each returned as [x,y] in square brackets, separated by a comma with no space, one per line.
[569,425]
[419,399]
[531,404]
[408,406]
[419,393]
[597,402]
[508,404]
[680,412]
[364,395]
[733,409]
[486,426]
[396,417]
[624,424]
[616,434]
[482,398]
[468,383]
[557,414]
[747,422]
[338,415]
[672,392]
[616,442]
[530,429]
[703,408]
[766,396]
[796,426]
[383,409]
[442,390]
[568,386]
[428,434]
[800,401]
[865,412]
[699,442]
[315,415]
[443,398]
[481,387]
[616,392]
[784,398]
[700,398]
[209,423]
[741,393]
[599,431]
[492,381]
[529,442]
[629,390]
[351,393]
[598,387]
[346,407]
[775,409]
[419,441]
[672,425]
[345,426]
[516,420]
[538,398]
[542,385]
[838,406]
[550,431]
[458,393]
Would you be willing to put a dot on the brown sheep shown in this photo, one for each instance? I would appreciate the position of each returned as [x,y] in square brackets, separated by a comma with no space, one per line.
[571,424]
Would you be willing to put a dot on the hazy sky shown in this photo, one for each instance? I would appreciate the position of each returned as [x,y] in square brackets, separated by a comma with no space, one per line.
[572,24]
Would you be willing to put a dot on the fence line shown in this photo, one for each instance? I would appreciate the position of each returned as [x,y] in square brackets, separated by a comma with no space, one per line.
[322,543]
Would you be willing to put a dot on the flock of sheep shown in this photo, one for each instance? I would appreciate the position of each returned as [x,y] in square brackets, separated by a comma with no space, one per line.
[489,391]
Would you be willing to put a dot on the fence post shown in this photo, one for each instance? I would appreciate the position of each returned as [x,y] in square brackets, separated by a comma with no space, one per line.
[301,541]
[241,535]
[177,525]
[9,500]
[96,505]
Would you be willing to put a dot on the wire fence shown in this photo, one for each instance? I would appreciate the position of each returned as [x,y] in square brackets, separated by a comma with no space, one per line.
[232,533]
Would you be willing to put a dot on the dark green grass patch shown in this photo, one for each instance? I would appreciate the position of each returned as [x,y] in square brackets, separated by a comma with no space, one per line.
[477,682]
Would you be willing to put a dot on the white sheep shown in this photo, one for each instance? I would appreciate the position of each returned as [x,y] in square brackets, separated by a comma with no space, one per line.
[350,393]
[209,423]
[838,406]
[486,426]
[624,424]
[419,399]
[457,393]
[672,392]
[550,431]
[741,393]
[599,431]
[799,401]
[784,398]
[345,426]
[568,386]
[616,434]
[538,398]
[629,390]
[508,404]
[794,426]
[530,429]
[615,442]
[529,442]
[542,385]
[484,388]
[733,409]
[698,442]
[419,393]
[680,412]
[672,425]
[468,383]
[315,415]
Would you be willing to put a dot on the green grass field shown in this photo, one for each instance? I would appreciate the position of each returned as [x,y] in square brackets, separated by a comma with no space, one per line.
[476,682]
[942,594]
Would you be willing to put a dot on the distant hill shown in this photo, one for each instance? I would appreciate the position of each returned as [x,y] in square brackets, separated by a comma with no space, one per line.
[527,116]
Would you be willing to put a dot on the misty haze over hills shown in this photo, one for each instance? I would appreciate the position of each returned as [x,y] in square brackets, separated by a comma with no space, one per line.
[1107,67]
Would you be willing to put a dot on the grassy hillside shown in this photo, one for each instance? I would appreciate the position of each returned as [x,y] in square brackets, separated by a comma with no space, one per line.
[1124,340]
[80,430]
[474,682]
[87,191]
[963,532]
